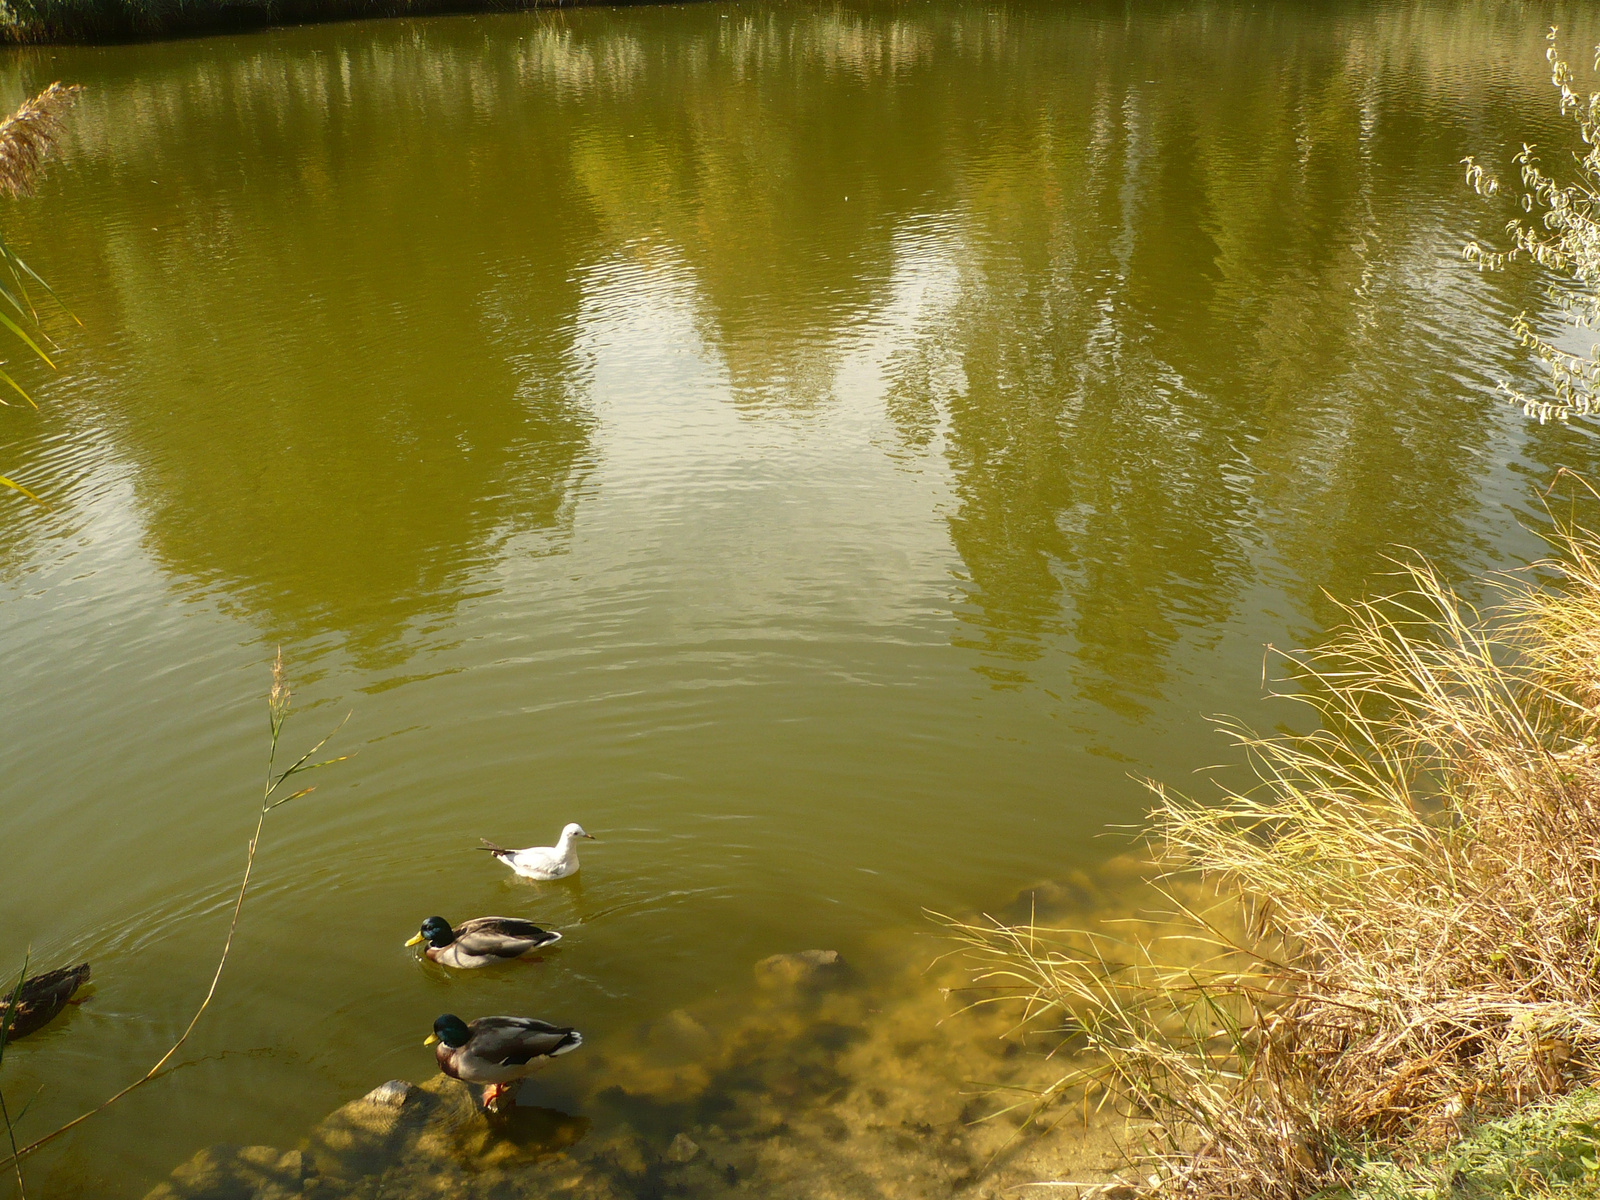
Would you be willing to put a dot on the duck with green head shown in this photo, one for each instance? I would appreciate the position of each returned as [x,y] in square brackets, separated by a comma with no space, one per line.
[497,1051]
[482,941]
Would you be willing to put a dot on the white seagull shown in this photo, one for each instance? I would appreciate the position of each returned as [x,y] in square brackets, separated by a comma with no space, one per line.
[544,862]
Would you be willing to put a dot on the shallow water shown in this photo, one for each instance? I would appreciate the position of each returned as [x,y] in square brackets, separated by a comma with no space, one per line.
[832,452]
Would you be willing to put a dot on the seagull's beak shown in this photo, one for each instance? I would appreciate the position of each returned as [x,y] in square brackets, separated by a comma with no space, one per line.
[591,837]
[430,1039]
[416,940]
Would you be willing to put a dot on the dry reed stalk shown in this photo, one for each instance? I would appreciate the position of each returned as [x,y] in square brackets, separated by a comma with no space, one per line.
[1413,937]
[28,137]
[277,714]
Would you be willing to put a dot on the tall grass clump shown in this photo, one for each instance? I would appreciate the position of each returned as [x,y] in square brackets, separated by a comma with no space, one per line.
[1403,931]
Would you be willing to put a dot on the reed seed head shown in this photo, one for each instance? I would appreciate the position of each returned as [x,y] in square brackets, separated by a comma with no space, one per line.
[28,137]
[278,697]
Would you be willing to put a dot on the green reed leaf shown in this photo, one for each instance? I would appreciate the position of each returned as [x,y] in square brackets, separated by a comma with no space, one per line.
[15,486]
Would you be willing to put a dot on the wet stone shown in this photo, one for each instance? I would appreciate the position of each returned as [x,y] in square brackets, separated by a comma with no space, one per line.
[682,1150]
[680,1034]
[808,970]
[236,1173]
[366,1136]
[802,1086]
[391,1095]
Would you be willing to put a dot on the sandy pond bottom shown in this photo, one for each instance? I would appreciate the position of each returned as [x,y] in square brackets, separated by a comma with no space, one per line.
[823,1079]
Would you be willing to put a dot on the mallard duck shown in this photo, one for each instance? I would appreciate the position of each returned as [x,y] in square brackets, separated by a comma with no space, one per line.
[482,940]
[42,997]
[544,862]
[497,1050]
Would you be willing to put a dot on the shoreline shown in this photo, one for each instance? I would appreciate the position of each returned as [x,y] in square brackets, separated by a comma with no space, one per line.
[86,25]
[821,1080]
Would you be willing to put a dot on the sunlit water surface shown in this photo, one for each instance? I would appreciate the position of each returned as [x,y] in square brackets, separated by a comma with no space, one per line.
[832,452]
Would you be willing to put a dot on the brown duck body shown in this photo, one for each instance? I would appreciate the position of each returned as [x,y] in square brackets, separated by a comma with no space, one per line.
[501,1049]
[486,940]
[43,996]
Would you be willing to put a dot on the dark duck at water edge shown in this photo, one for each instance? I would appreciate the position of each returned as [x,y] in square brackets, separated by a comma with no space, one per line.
[42,997]
[482,941]
[498,1051]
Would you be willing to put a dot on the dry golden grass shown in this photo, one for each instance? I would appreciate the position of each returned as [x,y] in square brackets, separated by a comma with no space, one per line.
[28,136]
[1408,931]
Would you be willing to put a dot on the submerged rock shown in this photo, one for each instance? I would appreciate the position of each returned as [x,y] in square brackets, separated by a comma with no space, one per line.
[236,1173]
[683,1149]
[393,1094]
[809,970]
[366,1135]
[680,1034]
[624,1153]
[808,1085]
[1053,899]
[400,1141]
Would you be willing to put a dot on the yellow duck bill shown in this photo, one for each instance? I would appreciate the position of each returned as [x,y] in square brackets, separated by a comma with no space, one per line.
[430,1039]
[416,940]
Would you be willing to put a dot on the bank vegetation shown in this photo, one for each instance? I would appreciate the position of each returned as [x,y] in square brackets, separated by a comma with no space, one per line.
[1407,935]
[95,21]
[1384,972]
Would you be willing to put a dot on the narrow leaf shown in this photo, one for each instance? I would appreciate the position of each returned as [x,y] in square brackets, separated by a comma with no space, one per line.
[23,334]
[20,392]
[12,483]
[305,791]
[11,1007]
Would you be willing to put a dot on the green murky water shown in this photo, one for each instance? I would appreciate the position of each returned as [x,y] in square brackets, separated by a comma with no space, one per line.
[828,451]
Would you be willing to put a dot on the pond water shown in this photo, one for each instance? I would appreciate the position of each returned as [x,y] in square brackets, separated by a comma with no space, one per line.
[833,452]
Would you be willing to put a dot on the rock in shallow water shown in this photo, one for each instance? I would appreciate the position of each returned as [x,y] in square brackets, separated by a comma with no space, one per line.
[366,1134]
[236,1173]
[400,1140]
[679,1034]
[683,1149]
[807,970]
[818,1093]
[369,1135]
[393,1094]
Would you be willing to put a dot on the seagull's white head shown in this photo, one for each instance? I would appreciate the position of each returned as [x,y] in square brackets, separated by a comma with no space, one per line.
[574,830]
